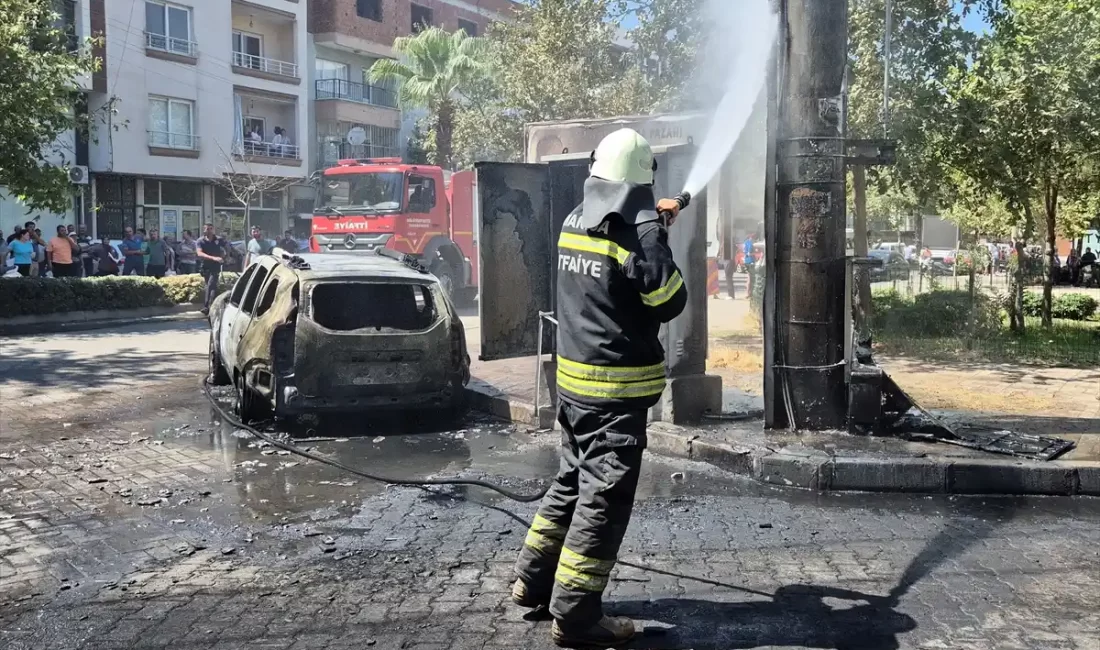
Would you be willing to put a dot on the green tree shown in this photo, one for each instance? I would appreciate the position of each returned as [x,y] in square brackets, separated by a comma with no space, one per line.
[40,63]
[667,37]
[1028,123]
[433,68]
[927,42]
[421,145]
[557,60]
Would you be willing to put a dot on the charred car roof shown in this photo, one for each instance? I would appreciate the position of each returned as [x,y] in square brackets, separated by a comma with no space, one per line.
[342,265]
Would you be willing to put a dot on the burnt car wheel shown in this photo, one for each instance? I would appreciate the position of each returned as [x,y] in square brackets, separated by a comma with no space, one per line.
[250,406]
[217,375]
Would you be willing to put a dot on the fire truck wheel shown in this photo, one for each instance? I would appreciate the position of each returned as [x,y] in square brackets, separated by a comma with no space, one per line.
[443,272]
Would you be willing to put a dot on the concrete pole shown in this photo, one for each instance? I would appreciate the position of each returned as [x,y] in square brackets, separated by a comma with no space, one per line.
[807,368]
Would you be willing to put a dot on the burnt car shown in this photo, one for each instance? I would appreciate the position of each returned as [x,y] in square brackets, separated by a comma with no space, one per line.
[337,333]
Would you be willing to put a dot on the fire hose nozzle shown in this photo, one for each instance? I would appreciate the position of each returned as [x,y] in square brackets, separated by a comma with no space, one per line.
[683,200]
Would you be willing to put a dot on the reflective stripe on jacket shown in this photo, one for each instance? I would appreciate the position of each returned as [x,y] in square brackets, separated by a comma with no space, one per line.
[616,285]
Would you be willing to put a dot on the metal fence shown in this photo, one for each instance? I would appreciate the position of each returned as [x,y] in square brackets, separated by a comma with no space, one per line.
[965,317]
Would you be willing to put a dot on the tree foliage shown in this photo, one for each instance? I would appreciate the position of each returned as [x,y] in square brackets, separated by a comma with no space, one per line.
[1027,121]
[669,35]
[433,68]
[564,59]
[927,43]
[40,63]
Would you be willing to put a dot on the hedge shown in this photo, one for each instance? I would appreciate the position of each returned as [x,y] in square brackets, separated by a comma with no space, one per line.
[40,296]
[1068,306]
[933,314]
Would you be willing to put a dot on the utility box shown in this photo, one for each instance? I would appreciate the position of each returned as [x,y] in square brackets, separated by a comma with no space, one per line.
[521,209]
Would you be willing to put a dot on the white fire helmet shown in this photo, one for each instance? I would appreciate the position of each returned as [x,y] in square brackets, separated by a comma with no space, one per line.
[624,157]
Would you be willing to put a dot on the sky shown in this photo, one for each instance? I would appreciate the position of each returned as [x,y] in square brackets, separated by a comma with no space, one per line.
[973,22]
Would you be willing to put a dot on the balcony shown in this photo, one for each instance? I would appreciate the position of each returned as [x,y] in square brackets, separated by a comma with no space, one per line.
[355,92]
[170,48]
[174,145]
[246,63]
[285,154]
[264,118]
[264,43]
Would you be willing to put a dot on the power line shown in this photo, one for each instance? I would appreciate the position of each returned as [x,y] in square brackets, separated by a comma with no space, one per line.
[122,58]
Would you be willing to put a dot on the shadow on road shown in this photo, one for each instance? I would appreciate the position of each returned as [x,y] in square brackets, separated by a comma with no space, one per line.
[56,370]
[798,615]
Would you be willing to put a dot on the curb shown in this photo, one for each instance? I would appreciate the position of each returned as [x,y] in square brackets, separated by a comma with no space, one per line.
[76,321]
[811,469]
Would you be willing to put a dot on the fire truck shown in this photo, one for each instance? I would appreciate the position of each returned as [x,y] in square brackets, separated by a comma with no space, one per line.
[365,204]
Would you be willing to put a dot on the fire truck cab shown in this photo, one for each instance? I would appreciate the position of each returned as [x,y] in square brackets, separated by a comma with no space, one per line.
[365,204]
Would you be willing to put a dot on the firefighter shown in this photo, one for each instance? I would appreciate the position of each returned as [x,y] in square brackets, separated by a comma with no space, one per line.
[617,282]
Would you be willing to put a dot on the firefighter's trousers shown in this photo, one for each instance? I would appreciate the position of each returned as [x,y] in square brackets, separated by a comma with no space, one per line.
[574,541]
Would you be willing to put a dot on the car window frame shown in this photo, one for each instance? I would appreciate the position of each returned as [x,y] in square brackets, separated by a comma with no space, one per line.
[272,284]
[243,281]
[245,307]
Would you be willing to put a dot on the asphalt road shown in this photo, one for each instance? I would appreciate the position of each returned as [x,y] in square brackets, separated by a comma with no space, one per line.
[130,518]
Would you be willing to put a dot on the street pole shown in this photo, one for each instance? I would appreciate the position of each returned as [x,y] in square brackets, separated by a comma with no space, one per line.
[806,367]
[887,43]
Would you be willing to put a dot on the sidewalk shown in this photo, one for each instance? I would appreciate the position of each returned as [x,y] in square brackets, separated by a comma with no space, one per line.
[839,461]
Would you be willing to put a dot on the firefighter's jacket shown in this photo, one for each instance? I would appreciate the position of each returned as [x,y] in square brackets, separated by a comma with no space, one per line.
[617,283]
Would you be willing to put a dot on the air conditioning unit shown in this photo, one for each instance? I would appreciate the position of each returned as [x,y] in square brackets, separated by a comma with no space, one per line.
[78,175]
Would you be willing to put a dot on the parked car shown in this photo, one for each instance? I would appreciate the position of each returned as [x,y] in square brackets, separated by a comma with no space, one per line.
[893,267]
[336,332]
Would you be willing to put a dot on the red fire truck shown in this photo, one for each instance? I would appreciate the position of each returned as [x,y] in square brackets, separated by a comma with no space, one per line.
[365,204]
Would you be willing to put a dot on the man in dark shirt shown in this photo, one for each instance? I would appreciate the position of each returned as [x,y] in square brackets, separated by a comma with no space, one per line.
[211,253]
[288,243]
[85,242]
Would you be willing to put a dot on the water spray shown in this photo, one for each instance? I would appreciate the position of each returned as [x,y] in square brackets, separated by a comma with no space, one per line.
[742,83]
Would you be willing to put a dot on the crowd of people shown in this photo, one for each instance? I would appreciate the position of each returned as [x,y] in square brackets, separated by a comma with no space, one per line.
[73,253]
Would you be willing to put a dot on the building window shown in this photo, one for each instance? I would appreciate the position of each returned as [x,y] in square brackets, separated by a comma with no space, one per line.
[331,70]
[247,50]
[168,28]
[421,18]
[172,123]
[265,211]
[332,142]
[468,26]
[369,9]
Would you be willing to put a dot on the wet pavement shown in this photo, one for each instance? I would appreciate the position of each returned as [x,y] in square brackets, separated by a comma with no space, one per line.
[131,517]
[182,532]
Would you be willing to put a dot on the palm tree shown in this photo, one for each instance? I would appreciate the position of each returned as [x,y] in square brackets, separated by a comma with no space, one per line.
[432,68]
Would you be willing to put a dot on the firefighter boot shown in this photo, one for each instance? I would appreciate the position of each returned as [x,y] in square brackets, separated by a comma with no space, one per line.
[608,631]
[524,596]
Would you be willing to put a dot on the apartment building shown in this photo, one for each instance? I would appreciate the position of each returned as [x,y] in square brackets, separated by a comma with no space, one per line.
[190,91]
[67,150]
[347,37]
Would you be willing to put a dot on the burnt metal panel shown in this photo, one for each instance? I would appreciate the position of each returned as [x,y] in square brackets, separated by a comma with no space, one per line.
[516,249]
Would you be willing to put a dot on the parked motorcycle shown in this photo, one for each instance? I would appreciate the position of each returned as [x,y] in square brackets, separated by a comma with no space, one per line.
[934,268]
[1090,276]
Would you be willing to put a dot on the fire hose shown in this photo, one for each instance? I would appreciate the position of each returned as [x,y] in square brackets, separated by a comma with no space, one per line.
[298,451]
[682,201]
[514,496]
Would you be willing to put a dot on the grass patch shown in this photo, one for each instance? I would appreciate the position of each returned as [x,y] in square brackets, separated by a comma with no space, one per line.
[1067,343]
[736,359]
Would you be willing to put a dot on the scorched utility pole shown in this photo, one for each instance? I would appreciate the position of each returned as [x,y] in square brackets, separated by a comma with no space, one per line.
[805,369]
